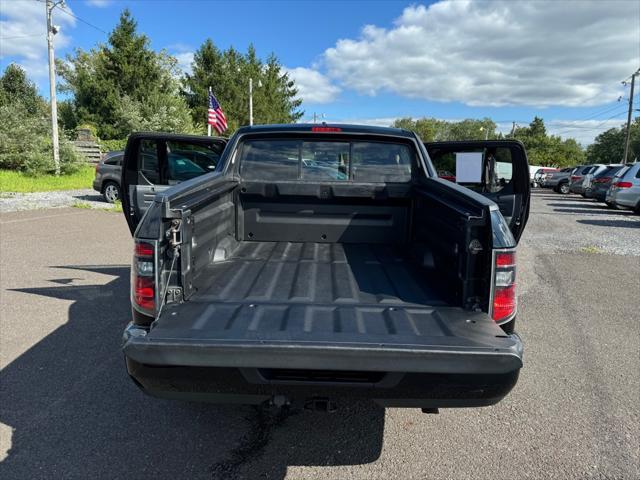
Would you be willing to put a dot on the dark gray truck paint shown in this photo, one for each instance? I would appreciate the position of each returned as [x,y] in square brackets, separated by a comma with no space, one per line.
[306,289]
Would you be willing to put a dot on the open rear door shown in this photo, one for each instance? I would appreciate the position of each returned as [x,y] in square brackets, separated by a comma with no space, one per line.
[156,161]
[497,169]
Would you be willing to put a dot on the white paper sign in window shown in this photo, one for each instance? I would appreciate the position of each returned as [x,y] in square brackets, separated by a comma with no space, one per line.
[468,167]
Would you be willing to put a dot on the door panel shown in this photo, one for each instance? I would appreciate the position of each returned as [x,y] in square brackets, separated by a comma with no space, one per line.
[154,162]
[497,169]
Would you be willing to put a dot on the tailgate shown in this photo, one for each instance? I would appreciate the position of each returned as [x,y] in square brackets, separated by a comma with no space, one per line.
[349,337]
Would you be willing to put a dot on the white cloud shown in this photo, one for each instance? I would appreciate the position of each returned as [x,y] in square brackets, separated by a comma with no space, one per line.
[496,53]
[23,28]
[99,3]
[584,131]
[184,61]
[313,86]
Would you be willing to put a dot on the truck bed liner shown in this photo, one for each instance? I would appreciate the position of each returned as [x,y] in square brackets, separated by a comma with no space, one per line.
[324,305]
[320,273]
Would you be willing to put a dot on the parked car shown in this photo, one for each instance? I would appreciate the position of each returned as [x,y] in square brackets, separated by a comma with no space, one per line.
[576,185]
[320,263]
[181,164]
[624,191]
[601,182]
[108,173]
[588,178]
[558,180]
[447,175]
[540,173]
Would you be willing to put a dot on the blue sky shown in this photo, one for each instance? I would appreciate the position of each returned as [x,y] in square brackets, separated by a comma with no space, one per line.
[375,61]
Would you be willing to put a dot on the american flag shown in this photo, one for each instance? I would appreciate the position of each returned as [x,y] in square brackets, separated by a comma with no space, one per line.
[215,115]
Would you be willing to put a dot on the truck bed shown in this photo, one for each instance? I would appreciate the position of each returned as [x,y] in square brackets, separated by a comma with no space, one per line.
[324,305]
[322,274]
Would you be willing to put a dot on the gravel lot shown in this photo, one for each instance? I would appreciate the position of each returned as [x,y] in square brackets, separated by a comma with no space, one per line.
[568,223]
[68,411]
[13,202]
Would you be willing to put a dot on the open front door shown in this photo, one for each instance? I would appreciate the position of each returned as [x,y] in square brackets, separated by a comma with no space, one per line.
[497,169]
[156,161]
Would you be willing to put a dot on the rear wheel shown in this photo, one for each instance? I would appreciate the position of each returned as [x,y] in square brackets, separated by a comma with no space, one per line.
[610,205]
[564,188]
[111,192]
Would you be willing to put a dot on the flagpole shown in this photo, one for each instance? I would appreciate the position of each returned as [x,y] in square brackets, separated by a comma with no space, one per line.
[208,124]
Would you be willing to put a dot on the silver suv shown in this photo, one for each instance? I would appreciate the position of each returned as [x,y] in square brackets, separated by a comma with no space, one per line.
[625,188]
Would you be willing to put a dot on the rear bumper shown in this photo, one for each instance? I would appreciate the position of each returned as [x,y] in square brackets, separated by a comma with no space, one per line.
[392,377]
[97,186]
[599,194]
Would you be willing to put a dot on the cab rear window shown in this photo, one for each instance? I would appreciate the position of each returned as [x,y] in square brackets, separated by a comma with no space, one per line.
[325,160]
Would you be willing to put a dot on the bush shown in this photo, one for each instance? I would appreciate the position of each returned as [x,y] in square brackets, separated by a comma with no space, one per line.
[112,145]
[25,143]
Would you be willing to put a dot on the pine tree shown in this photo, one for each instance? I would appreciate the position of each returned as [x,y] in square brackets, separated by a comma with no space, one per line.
[117,86]
[228,74]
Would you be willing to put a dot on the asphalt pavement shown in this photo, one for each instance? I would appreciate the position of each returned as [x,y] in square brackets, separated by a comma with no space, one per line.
[68,410]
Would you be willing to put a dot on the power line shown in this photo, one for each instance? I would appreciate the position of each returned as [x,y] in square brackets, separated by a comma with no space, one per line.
[83,20]
[62,9]
[586,127]
[23,36]
[601,112]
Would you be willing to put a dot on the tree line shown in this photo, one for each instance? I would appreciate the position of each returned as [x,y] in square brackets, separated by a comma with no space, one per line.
[542,148]
[124,85]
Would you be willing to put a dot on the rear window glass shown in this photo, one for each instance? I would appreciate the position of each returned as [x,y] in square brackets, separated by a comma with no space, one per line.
[608,171]
[325,161]
[115,160]
[622,171]
[381,162]
[330,161]
[270,159]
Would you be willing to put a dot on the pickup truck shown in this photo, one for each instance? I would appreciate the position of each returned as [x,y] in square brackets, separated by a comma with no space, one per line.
[558,180]
[319,263]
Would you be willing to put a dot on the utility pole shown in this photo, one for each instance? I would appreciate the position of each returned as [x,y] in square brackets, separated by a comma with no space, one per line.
[513,128]
[315,117]
[51,31]
[626,141]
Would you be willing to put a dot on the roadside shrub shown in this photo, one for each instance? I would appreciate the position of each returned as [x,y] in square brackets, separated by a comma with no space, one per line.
[25,143]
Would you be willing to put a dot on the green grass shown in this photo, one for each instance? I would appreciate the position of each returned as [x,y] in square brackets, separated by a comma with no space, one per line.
[12,181]
[116,207]
[86,205]
[591,249]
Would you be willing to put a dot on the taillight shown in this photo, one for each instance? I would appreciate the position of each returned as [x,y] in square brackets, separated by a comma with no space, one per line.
[601,180]
[143,283]
[574,178]
[97,167]
[623,184]
[504,285]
